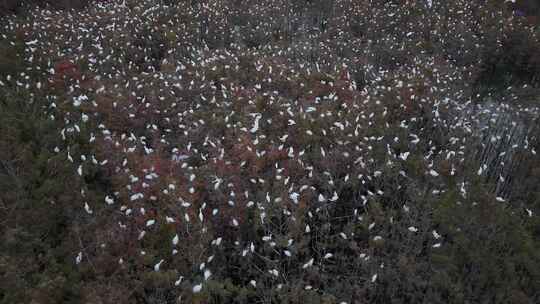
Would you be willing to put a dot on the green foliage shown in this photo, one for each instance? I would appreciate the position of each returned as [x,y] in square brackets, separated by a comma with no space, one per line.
[34,237]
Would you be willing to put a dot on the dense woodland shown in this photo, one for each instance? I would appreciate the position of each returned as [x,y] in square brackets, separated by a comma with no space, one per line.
[269,151]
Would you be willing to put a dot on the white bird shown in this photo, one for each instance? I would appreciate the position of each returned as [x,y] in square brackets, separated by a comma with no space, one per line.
[308,264]
[177,282]
[197,288]
[158,265]
[175,240]
[404,155]
[255,127]
[109,200]
[294,197]
[87,208]
[78,259]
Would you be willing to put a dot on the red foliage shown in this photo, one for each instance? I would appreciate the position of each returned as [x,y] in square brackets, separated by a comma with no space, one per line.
[66,71]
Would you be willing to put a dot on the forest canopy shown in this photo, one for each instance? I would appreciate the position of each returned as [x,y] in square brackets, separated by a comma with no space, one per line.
[269,151]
